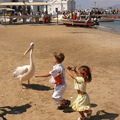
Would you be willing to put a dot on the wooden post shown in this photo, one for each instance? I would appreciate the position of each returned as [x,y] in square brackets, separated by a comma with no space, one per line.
[46,9]
[23,11]
[11,20]
[37,20]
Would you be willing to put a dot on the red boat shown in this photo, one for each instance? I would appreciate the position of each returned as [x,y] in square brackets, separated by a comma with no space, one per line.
[85,23]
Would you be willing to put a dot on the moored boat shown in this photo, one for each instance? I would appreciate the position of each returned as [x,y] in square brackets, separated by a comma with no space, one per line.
[70,22]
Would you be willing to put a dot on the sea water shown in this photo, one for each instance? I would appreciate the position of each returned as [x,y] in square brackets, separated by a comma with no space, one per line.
[113,27]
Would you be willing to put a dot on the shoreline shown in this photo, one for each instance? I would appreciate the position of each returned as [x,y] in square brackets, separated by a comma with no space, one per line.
[112,27]
[97,27]
[107,29]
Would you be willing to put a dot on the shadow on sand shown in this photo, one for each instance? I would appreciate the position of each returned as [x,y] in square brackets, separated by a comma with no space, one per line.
[70,110]
[13,110]
[101,114]
[37,87]
[94,105]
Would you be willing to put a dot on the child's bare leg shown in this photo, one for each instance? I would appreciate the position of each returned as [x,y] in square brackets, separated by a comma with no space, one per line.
[89,113]
[82,114]
[65,103]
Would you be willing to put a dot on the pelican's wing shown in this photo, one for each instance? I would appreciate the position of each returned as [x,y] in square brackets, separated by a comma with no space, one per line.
[21,70]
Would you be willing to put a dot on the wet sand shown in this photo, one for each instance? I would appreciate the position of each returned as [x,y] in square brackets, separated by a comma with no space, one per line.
[82,46]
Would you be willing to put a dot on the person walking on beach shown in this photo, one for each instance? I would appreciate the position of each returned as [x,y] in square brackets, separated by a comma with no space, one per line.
[82,102]
[58,79]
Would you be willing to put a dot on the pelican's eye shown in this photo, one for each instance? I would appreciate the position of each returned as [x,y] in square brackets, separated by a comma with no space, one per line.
[32,44]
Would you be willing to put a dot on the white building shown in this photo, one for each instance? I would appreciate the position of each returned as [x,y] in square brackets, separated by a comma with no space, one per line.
[30,9]
[61,5]
[53,7]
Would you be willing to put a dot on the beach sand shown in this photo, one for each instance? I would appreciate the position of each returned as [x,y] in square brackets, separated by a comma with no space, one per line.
[82,46]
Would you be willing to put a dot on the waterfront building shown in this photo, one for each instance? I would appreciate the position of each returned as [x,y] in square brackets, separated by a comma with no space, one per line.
[61,6]
[36,9]
[52,8]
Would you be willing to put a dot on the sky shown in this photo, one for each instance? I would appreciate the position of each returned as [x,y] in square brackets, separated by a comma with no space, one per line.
[86,4]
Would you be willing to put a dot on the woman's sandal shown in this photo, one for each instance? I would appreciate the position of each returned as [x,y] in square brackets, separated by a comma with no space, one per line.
[89,114]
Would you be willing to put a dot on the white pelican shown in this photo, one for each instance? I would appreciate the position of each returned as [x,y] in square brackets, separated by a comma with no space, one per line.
[24,73]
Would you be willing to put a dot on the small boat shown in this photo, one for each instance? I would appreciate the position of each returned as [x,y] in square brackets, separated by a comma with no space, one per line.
[106,19]
[70,22]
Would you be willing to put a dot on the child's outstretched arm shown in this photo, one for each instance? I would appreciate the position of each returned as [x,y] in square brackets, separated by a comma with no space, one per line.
[43,75]
[69,72]
[76,72]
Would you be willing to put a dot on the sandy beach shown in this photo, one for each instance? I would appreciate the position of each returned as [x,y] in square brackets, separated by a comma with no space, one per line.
[82,46]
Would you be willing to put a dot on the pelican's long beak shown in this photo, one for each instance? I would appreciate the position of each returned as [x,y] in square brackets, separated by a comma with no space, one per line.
[27,50]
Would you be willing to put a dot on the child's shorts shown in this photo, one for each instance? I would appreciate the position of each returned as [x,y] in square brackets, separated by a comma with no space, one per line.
[58,92]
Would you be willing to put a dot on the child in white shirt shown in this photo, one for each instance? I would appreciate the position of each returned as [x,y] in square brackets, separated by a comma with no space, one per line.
[58,79]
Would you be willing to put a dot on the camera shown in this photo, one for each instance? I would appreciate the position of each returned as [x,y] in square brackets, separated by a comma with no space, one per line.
[69,68]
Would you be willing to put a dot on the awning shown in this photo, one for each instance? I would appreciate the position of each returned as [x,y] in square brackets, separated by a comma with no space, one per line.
[21,3]
[36,3]
[11,3]
[7,9]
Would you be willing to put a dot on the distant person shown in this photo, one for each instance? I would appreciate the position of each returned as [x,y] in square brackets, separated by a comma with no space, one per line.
[74,16]
[78,15]
[82,102]
[71,15]
[43,17]
[58,79]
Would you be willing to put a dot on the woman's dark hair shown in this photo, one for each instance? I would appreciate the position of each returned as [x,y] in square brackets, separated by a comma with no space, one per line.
[85,71]
[59,56]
